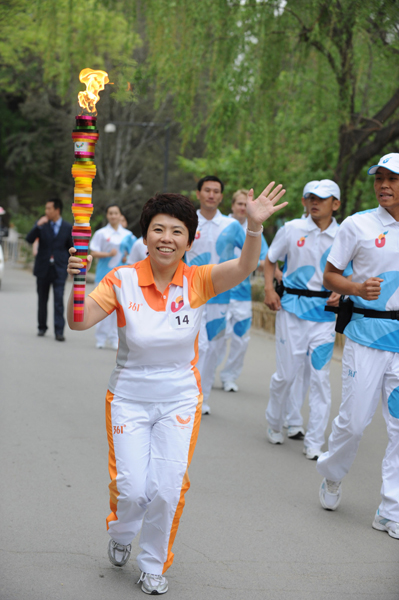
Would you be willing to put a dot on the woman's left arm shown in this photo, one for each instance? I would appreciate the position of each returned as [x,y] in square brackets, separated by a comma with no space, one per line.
[229,274]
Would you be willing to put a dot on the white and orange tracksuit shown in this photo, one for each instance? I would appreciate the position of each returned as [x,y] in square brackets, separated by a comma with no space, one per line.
[153,405]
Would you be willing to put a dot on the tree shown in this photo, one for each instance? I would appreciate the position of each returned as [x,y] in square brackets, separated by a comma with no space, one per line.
[302,89]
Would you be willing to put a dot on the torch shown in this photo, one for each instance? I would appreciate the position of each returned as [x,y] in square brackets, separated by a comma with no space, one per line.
[85,137]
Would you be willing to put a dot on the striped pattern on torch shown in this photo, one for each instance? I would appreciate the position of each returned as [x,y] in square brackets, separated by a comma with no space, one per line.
[85,137]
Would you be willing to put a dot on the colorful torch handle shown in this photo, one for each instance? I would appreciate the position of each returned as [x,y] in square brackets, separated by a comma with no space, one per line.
[85,137]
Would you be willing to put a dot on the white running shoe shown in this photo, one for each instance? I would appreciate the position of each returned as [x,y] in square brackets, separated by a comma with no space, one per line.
[206,409]
[118,554]
[330,494]
[230,386]
[295,433]
[391,527]
[153,584]
[311,453]
[99,345]
[115,346]
[275,437]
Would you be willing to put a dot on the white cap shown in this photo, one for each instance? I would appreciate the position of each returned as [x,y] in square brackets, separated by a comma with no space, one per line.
[324,189]
[389,161]
[308,186]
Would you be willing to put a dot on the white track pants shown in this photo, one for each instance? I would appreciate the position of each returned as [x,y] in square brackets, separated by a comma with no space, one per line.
[107,329]
[239,319]
[150,448]
[366,373]
[210,346]
[297,395]
[294,338]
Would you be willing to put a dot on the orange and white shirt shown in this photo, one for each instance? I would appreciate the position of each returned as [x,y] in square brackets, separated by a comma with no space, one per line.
[158,333]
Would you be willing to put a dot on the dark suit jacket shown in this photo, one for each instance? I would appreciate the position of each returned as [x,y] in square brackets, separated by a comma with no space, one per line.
[49,245]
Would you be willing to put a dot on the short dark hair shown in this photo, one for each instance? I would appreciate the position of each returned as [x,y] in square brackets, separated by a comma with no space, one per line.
[111,206]
[209,178]
[58,205]
[175,205]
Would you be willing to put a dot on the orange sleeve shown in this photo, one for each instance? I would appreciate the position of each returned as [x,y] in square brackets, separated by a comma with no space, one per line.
[201,286]
[104,293]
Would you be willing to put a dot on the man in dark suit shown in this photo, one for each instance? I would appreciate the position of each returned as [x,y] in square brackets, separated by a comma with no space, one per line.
[51,261]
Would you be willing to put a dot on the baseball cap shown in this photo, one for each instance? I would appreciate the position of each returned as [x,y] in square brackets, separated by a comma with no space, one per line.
[389,161]
[324,189]
[308,186]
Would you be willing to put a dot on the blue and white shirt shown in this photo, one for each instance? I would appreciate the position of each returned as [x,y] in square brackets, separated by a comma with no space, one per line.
[242,291]
[304,248]
[215,241]
[127,244]
[104,240]
[370,239]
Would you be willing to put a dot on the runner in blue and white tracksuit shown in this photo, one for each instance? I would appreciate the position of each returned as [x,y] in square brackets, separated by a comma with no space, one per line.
[302,325]
[216,238]
[239,314]
[370,363]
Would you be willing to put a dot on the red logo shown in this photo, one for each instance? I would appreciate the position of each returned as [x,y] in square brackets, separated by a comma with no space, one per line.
[380,241]
[183,421]
[198,235]
[177,304]
[301,241]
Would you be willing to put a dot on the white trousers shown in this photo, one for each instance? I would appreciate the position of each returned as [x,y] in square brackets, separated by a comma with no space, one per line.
[294,339]
[150,448]
[107,329]
[297,395]
[367,373]
[239,319]
[210,344]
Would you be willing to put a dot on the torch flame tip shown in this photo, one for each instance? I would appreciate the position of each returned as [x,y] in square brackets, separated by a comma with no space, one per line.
[95,81]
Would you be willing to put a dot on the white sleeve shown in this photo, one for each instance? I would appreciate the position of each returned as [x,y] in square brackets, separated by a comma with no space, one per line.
[137,253]
[95,242]
[344,246]
[278,248]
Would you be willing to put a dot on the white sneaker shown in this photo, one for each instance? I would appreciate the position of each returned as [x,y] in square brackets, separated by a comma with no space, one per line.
[115,346]
[391,527]
[295,433]
[153,584]
[230,386]
[206,409]
[330,494]
[118,554]
[311,453]
[275,437]
[99,345]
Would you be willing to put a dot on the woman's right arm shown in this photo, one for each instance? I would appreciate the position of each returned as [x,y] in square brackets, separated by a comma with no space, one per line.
[93,313]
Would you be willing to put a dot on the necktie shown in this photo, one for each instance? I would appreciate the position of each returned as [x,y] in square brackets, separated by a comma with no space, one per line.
[52,227]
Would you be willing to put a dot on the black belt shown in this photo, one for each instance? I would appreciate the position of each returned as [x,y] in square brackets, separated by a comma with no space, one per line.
[307,293]
[368,312]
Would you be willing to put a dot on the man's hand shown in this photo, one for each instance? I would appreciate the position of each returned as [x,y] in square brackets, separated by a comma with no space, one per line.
[272,299]
[75,263]
[112,252]
[42,221]
[370,289]
[333,300]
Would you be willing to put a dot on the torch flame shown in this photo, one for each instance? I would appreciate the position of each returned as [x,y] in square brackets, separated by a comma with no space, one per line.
[95,81]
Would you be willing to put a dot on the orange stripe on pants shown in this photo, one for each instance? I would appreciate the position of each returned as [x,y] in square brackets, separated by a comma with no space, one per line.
[113,490]
[185,485]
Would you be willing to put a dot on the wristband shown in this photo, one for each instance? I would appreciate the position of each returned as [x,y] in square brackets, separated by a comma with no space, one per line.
[255,233]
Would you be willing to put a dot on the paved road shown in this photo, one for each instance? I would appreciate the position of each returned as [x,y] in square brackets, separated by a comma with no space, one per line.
[252,526]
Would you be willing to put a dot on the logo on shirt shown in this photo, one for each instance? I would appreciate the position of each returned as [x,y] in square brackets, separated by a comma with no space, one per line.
[380,241]
[177,304]
[301,241]
[198,235]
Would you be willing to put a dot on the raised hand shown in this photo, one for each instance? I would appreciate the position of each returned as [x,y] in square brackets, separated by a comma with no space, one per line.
[265,205]
[75,263]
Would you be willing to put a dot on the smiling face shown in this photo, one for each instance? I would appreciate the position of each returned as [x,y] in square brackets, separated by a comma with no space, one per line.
[114,216]
[321,208]
[166,240]
[239,208]
[386,187]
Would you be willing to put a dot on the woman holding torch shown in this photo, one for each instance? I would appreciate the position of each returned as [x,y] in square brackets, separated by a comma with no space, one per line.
[153,404]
